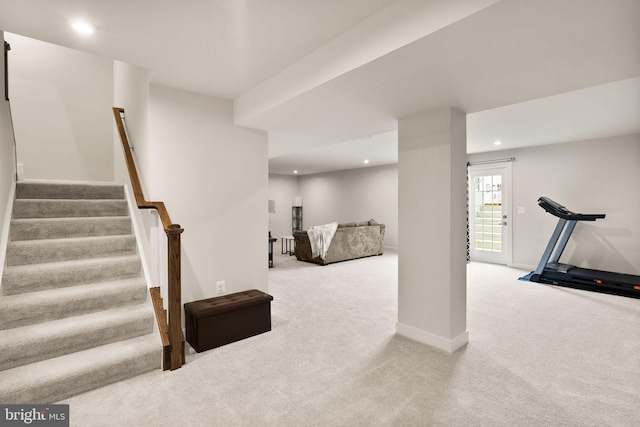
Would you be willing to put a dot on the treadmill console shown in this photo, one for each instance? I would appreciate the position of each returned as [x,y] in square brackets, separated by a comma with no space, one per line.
[556,209]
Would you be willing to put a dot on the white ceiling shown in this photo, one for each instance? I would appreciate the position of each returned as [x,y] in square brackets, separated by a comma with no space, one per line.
[221,48]
[601,111]
[329,79]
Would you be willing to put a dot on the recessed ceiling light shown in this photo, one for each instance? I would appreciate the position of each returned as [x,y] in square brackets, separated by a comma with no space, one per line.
[366,161]
[295,171]
[83,27]
[497,142]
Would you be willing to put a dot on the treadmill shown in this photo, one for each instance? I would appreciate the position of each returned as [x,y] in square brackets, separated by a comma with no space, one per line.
[551,271]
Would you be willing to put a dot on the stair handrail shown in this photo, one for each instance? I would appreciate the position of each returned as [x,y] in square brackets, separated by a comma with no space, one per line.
[173,353]
[7,48]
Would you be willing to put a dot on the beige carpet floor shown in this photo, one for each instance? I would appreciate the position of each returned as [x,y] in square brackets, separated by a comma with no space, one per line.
[537,356]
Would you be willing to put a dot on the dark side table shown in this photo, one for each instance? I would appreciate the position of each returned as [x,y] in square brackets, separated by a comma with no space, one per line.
[271,240]
[287,244]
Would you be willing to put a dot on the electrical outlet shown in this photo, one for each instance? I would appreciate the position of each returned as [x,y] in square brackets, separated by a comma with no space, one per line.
[220,287]
[520,209]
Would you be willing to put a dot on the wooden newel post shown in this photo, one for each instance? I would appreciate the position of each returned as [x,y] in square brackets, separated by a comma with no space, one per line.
[176,338]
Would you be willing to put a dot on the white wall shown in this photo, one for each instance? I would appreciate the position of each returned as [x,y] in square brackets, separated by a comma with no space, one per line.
[7,167]
[598,176]
[282,190]
[352,196]
[213,177]
[61,102]
[131,92]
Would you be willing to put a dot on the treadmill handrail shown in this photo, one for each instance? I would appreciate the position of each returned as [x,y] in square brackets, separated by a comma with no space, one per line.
[556,209]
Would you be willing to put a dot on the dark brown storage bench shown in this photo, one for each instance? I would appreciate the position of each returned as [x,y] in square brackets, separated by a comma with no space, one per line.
[222,320]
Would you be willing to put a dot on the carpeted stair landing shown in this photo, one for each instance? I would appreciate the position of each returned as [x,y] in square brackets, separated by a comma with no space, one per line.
[73,303]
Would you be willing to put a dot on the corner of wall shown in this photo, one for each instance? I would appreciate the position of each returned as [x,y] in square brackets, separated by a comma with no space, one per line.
[6,223]
[7,167]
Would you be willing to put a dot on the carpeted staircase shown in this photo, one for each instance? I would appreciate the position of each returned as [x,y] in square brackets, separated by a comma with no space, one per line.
[73,303]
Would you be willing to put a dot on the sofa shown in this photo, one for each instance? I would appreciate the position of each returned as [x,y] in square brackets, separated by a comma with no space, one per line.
[350,241]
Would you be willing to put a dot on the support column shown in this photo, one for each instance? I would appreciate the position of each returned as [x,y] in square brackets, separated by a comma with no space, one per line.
[432,271]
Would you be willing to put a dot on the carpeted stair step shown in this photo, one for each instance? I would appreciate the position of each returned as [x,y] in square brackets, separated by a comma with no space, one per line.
[65,208]
[30,344]
[43,306]
[41,190]
[36,277]
[55,228]
[74,312]
[53,380]
[55,250]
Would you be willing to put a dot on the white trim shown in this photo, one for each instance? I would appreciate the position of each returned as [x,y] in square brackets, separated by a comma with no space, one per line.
[133,214]
[20,172]
[526,267]
[62,181]
[433,340]
[4,235]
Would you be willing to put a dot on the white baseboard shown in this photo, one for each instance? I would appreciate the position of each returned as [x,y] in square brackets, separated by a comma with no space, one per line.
[526,267]
[433,340]
[64,181]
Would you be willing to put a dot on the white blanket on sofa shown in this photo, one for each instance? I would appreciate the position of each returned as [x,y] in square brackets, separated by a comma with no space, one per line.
[320,238]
